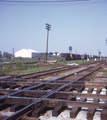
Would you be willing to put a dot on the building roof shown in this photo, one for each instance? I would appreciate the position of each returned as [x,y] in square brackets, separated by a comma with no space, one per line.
[29,50]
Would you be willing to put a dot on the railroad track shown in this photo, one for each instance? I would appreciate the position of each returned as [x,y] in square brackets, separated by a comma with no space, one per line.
[32,97]
[46,73]
[43,74]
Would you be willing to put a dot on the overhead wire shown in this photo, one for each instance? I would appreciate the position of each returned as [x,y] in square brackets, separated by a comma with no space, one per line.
[51,2]
[39,1]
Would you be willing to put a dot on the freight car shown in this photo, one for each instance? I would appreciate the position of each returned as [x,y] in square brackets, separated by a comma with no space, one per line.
[95,56]
[76,56]
[68,56]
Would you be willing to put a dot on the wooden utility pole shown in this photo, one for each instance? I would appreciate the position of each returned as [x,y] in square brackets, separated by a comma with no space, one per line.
[48,27]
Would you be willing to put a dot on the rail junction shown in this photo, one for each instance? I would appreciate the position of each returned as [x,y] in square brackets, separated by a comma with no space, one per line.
[32,94]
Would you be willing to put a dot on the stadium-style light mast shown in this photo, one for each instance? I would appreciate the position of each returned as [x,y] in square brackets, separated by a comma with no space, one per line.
[48,27]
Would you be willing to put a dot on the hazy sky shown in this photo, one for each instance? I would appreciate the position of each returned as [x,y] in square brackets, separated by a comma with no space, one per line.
[82,25]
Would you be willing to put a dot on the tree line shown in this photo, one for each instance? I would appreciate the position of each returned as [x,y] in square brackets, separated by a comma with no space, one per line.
[5,55]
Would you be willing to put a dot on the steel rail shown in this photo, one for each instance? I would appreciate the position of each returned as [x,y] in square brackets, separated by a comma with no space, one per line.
[79,95]
[58,102]
[60,78]
[59,94]
[50,72]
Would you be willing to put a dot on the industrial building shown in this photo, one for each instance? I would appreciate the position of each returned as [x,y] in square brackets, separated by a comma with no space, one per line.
[26,53]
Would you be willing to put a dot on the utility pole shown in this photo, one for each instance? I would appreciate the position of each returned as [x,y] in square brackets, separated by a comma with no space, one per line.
[13,52]
[106,41]
[48,27]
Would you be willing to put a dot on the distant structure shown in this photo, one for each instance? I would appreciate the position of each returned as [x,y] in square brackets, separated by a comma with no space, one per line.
[99,53]
[13,52]
[26,53]
[70,49]
[52,53]
[56,53]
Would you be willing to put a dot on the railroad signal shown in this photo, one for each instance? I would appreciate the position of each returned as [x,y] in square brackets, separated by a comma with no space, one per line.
[48,27]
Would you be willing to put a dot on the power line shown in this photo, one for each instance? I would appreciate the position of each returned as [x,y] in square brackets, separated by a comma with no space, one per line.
[41,1]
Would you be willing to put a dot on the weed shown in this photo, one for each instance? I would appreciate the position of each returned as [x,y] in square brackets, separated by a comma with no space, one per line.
[1,71]
[8,68]
[104,72]
[21,66]
[93,77]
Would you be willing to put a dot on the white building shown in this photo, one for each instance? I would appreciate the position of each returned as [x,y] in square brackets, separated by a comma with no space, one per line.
[26,53]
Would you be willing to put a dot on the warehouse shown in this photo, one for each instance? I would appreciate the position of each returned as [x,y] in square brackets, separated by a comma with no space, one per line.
[26,53]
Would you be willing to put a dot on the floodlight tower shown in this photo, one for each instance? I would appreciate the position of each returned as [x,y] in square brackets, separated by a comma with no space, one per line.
[48,27]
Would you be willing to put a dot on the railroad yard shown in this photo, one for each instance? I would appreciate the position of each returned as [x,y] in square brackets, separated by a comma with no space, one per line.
[53,60]
[73,92]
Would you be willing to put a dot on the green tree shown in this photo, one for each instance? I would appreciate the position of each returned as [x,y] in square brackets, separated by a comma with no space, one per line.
[7,55]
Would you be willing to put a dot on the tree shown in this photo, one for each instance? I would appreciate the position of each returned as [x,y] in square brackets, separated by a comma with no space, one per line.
[7,55]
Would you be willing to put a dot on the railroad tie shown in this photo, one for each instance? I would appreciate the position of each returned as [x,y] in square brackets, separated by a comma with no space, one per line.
[58,110]
[15,108]
[75,110]
[98,90]
[104,114]
[91,110]
[37,112]
[90,113]
[80,89]
[90,90]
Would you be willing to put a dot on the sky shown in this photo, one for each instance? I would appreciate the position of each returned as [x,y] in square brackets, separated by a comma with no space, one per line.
[80,24]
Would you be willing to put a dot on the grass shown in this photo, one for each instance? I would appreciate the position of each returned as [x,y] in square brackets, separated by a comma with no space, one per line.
[31,70]
[37,68]
[105,73]
[20,68]
[74,61]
